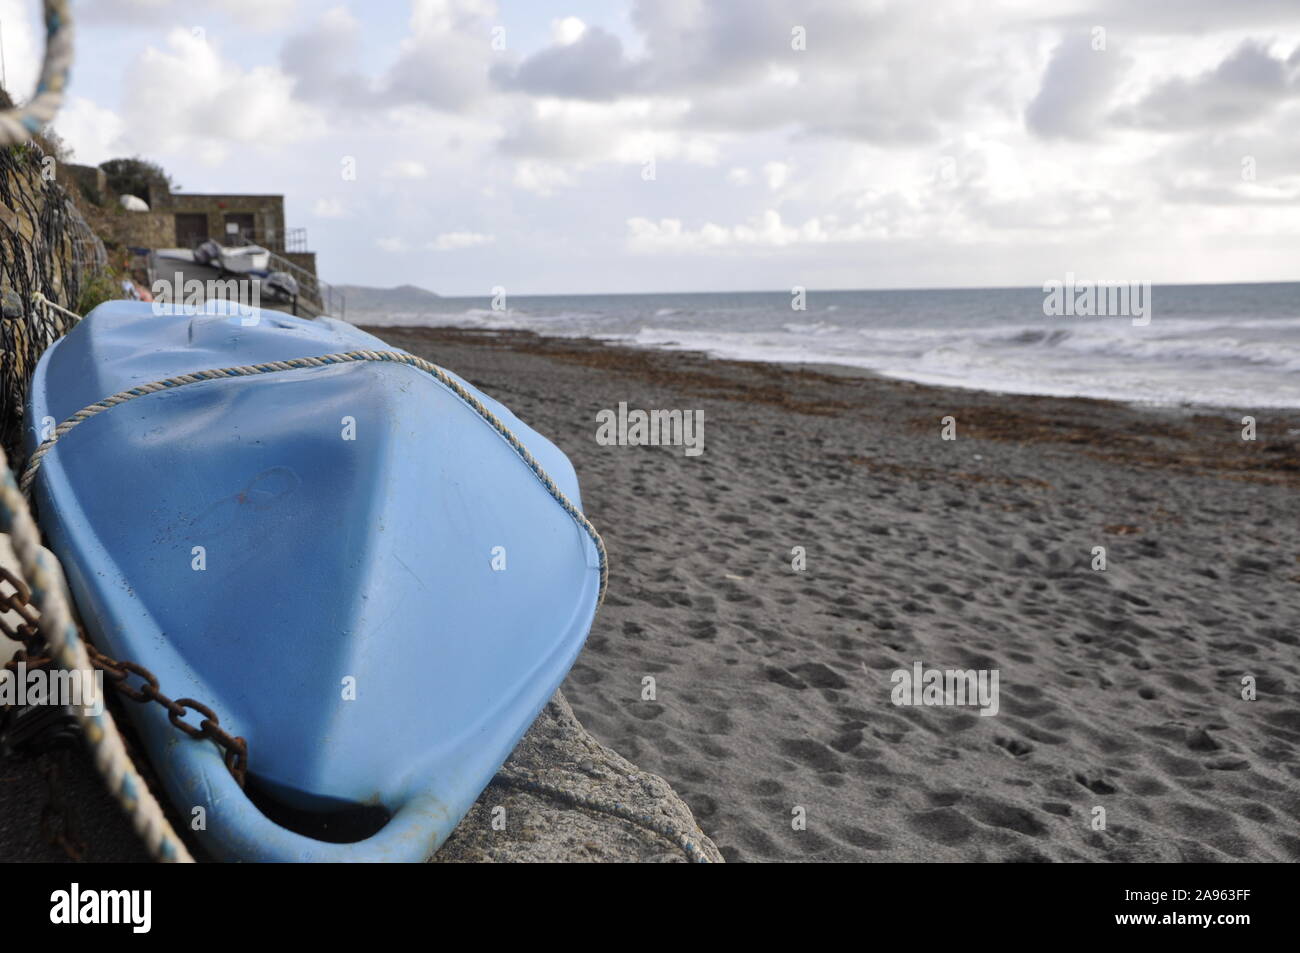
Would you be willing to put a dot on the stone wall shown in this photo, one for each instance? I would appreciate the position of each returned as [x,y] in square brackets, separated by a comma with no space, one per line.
[267,213]
[305,260]
[147,229]
[90,179]
[45,246]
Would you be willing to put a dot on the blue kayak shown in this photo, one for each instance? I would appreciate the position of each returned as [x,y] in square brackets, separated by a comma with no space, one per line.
[348,564]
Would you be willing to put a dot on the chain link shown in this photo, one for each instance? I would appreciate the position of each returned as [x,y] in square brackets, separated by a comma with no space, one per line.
[234,748]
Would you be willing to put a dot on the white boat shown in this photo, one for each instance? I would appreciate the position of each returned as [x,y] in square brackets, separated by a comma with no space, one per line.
[243,260]
[237,260]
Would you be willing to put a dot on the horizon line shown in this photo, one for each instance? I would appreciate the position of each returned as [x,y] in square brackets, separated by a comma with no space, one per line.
[783,291]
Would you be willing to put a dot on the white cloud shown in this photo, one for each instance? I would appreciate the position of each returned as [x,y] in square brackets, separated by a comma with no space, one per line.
[91,131]
[127,9]
[1076,88]
[775,174]
[449,241]
[944,138]
[444,60]
[429,17]
[1247,84]
[324,60]
[23,48]
[567,30]
[405,169]
[628,131]
[329,208]
[541,178]
[766,230]
[259,15]
[581,63]
[189,97]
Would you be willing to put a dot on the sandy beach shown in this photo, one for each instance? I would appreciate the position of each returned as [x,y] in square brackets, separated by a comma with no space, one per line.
[1118,689]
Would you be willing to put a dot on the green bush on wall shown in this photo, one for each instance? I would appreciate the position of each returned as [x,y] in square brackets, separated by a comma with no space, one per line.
[96,289]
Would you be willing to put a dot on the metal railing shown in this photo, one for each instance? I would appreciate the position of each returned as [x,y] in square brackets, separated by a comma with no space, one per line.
[330,299]
[293,240]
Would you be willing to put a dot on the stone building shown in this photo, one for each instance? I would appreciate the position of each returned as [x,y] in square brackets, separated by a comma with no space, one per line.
[258,219]
[184,219]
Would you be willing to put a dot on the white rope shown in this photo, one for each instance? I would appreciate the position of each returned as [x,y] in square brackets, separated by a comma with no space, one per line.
[44,577]
[19,125]
[41,301]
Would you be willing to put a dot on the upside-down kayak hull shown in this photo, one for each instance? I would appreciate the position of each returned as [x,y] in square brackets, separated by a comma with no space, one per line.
[346,563]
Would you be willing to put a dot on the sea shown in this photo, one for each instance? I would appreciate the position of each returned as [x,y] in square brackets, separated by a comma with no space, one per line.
[1229,346]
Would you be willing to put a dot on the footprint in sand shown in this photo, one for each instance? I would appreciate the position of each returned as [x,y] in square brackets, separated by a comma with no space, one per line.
[1014,746]
[1096,785]
[943,826]
[812,753]
[1008,816]
[866,840]
[784,678]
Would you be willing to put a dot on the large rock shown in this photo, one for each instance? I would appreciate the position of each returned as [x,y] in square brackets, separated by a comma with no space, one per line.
[566,797]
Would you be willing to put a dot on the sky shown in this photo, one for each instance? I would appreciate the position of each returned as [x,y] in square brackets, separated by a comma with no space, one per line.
[695,145]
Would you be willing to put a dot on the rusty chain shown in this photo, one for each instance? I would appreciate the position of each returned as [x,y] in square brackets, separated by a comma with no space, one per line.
[234,748]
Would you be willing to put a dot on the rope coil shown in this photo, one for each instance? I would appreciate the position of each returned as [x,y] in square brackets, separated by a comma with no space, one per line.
[19,125]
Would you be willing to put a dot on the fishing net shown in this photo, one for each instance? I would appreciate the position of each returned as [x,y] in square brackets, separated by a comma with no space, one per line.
[46,246]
